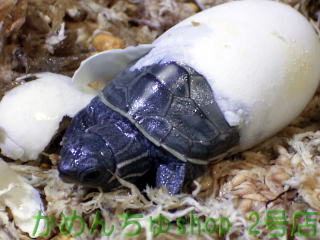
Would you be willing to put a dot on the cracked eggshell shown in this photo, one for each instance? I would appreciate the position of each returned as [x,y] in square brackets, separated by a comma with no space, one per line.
[23,200]
[104,66]
[30,114]
[261,59]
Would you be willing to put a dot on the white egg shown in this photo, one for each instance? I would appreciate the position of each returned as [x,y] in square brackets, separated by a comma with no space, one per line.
[30,114]
[261,59]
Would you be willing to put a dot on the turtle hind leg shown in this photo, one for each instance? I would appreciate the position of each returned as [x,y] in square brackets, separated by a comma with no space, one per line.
[175,175]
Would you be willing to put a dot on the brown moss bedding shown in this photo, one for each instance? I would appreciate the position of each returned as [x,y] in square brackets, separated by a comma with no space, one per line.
[282,173]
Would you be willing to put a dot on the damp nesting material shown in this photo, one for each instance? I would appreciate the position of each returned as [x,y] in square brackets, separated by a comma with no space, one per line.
[281,173]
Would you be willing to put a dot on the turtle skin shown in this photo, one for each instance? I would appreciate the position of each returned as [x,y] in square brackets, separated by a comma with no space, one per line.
[174,107]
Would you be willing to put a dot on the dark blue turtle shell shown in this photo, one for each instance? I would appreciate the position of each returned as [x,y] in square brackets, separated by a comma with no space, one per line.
[174,107]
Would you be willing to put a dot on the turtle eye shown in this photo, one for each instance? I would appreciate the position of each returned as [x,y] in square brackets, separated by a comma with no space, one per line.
[92,176]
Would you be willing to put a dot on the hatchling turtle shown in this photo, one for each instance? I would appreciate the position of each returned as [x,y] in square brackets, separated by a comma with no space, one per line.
[217,83]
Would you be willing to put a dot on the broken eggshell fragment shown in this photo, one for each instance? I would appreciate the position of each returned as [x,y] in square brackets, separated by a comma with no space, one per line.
[30,114]
[104,66]
[23,200]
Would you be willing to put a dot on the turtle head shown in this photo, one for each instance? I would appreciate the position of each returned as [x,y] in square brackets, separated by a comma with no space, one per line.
[99,144]
[87,159]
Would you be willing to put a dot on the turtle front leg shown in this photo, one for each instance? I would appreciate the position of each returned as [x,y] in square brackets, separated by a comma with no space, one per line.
[171,176]
[175,175]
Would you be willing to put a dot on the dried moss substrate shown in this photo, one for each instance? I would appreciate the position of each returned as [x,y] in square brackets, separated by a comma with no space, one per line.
[282,173]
